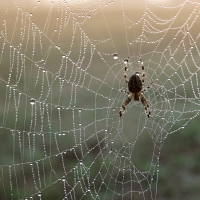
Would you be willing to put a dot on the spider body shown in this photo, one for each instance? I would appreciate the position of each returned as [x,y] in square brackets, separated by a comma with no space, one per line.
[135,85]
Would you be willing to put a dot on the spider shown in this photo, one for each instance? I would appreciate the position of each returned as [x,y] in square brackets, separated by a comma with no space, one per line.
[135,89]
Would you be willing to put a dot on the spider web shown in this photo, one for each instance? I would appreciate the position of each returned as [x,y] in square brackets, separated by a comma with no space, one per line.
[62,65]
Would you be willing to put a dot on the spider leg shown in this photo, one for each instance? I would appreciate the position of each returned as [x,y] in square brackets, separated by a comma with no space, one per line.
[143,91]
[125,69]
[143,73]
[123,106]
[146,106]
[124,91]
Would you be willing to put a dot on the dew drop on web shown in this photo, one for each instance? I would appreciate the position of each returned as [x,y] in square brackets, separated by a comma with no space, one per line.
[125,61]
[32,101]
[115,56]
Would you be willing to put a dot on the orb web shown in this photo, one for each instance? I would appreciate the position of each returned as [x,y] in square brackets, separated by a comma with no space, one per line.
[62,65]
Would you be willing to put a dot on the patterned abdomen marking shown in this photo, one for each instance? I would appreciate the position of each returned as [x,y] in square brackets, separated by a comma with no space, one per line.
[135,84]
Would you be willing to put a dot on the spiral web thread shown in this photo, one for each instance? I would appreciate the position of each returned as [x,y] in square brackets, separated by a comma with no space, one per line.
[62,65]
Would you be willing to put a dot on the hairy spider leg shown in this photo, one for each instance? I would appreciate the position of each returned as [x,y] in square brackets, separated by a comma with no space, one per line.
[143,73]
[125,69]
[146,106]
[123,106]
[143,91]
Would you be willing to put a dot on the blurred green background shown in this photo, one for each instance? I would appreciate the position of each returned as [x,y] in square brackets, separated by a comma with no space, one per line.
[70,143]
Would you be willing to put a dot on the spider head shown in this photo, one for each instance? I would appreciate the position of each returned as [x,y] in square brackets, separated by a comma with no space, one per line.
[136,96]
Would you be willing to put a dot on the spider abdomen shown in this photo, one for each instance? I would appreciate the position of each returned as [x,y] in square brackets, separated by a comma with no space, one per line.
[135,84]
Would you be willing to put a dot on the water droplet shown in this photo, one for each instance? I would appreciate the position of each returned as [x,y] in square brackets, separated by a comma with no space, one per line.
[125,61]
[39,194]
[32,101]
[115,56]
[137,73]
